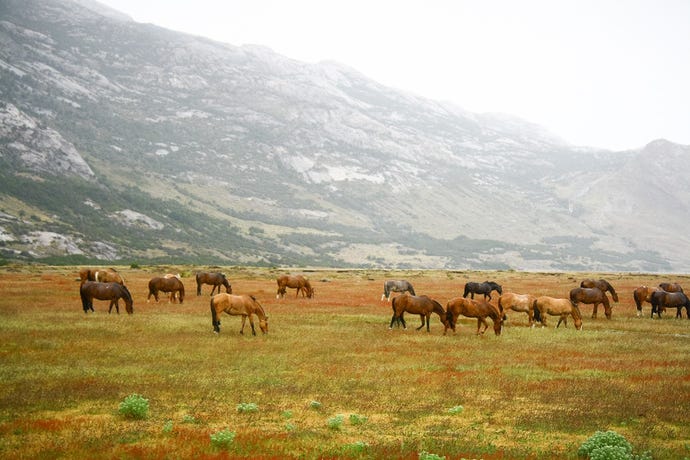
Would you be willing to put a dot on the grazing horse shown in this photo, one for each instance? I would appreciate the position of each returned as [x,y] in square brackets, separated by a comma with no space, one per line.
[215,279]
[482,288]
[558,307]
[391,286]
[591,296]
[643,294]
[662,299]
[172,285]
[90,290]
[245,306]
[601,284]
[422,305]
[479,309]
[671,287]
[520,302]
[299,282]
[102,275]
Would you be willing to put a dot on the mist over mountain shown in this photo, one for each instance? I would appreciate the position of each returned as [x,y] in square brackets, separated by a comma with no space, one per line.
[122,141]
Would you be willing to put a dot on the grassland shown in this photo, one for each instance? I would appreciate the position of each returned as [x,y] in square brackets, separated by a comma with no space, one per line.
[529,393]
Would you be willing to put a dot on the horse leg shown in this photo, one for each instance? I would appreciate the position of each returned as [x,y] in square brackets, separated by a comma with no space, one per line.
[422,318]
[594,310]
[392,321]
[198,288]
[607,307]
[428,317]
[244,318]
[251,323]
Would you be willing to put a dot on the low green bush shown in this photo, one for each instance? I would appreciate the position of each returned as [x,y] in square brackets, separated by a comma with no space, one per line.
[134,406]
[222,439]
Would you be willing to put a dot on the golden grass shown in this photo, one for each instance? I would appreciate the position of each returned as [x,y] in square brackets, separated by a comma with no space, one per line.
[530,393]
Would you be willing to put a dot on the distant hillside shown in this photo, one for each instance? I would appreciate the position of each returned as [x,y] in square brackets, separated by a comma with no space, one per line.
[129,142]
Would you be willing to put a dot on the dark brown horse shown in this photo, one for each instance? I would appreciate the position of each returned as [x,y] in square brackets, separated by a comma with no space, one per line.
[421,305]
[661,300]
[591,296]
[90,290]
[102,275]
[172,285]
[482,288]
[299,282]
[558,307]
[671,287]
[479,309]
[519,302]
[643,294]
[601,284]
[214,279]
[245,306]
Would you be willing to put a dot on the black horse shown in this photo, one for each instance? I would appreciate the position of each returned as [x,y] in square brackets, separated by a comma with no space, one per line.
[482,288]
[661,300]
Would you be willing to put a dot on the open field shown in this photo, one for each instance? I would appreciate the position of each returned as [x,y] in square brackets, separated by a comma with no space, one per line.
[529,393]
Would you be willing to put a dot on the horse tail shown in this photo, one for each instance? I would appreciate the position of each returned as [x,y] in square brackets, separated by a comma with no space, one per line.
[467,290]
[84,298]
[214,318]
[412,289]
[612,291]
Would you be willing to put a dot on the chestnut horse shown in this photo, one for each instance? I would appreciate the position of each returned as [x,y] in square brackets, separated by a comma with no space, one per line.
[482,288]
[214,279]
[671,287]
[172,284]
[479,309]
[90,290]
[245,306]
[558,307]
[520,302]
[601,284]
[643,294]
[661,300]
[422,305]
[591,296]
[102,275]
[391,286]
[299,282]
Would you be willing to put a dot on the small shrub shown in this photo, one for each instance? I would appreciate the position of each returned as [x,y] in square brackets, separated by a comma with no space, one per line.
[134,406]
[610,453]
[456,409]
[290,427]
[334,423]
[189,419]
[244,408]
[602,439]
[424,455]
[287,414]
[222,439]
[315,405]
[134,266]
[168,427]
[355,448]
[357,419]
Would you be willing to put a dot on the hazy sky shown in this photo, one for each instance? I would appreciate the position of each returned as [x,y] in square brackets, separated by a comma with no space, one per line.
[604,73]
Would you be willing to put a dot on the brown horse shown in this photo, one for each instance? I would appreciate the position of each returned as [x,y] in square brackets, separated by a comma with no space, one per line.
[671,287]
[90,290]
[421,305]
[173,285]
[519,302]
[591,296]
[601,284]
[174,296]
[102,275]
[245,306]
[558,307]
[643,294]
[214,279]
[479,309]
[661,300]
[299,282]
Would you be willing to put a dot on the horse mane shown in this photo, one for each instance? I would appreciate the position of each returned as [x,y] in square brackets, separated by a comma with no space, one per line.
[438,308]
[129,295]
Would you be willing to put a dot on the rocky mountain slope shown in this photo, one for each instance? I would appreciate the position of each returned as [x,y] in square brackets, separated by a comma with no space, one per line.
[126,141]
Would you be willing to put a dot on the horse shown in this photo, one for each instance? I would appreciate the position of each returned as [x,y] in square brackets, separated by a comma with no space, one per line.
[671,287]
[482,288]
[591,296]
[90,290]
[601,284]
[215,279]
[558,307]
[479,309]
[422,305]
[390,286]
[173,295]
[299,282]
[660,300]
[520,302]
[238,305]
[173,285]
[643,294]
[102,275]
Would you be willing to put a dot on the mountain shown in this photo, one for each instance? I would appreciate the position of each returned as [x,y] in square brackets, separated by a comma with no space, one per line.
[122,141]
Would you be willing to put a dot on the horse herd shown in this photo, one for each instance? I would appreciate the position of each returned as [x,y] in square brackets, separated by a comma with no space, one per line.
[108,284]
